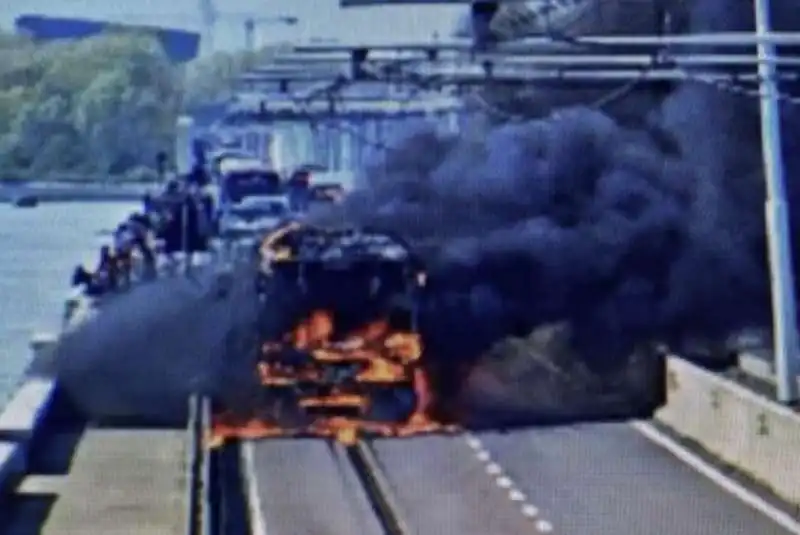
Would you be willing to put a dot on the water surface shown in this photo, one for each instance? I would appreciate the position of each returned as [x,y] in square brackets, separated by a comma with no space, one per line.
[38,249]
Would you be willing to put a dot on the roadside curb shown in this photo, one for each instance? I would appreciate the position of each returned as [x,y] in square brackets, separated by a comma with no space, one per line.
[747,431]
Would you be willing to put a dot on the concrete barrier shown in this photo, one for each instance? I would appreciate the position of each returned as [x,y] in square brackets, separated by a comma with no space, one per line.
[760,365]
[739,427]
[22,417]
[77,309]
[42,344]
[43,349]
[26,410]
[12,465]
[20,421]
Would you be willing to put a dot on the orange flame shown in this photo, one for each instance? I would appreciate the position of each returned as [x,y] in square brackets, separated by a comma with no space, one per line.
[384,357]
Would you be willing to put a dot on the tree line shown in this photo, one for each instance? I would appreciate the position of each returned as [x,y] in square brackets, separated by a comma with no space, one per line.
[98,107]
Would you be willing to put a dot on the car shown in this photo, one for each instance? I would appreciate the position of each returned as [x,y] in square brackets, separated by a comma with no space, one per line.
[255,215]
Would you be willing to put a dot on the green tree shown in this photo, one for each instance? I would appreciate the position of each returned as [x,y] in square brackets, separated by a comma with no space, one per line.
[104,105]
[215,78]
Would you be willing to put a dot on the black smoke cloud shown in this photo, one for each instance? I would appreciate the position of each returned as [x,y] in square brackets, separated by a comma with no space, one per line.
[622,233]
[626,234]
[147,350]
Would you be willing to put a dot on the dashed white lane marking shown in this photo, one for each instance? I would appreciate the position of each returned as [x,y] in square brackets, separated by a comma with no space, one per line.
[718,478]
[530,511]
[504,482]
[474,443]
[493,469]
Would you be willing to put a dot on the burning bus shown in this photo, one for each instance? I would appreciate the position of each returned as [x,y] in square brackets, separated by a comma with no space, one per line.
[341,353]
[340,350]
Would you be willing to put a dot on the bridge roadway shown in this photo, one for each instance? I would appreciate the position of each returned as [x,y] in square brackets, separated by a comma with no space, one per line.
[600,478]
[606,479]
[102,481]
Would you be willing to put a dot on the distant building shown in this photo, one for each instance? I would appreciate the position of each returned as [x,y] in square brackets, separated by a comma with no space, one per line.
[180,45]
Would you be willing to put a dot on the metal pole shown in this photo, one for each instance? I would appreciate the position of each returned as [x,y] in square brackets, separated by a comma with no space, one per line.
[334,144]
[250,35]
[347,145]
[785,342]
[187,255]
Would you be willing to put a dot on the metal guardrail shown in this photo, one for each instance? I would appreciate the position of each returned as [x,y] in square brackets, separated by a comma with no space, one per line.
[198,468]
[72,306]
[205,495]
[191,469]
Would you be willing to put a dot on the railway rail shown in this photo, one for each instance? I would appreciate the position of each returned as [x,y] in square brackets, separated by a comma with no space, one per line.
[373,487]
[600,478]
[606,477]
[354,497]
[378,489]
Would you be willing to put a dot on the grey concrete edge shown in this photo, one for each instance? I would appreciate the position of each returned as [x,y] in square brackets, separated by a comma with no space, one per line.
[24,415]
[739,427]
[20,422]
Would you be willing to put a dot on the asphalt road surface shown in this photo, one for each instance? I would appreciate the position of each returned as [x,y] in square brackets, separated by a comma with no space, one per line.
[442,490]
[609,480]
[306,486]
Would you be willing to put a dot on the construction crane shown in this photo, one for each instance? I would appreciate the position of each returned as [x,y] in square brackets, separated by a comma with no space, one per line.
[250,23]
[210,16]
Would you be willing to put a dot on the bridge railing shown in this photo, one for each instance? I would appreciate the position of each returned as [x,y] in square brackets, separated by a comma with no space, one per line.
[198,486]
[756,356]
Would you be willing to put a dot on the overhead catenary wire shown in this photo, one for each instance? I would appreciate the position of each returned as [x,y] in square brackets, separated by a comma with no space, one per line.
[658,65]
[610,42]
[731,84]
[661,66]
[726,83]
[657,58]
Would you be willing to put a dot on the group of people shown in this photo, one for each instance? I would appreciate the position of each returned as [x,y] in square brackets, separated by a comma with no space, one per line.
[178,220]
[181,219]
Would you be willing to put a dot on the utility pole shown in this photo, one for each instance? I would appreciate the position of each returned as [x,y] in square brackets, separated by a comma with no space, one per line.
[785,340]
[250,34]
[208,14]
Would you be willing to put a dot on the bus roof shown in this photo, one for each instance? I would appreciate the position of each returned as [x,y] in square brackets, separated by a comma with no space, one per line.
[232,165]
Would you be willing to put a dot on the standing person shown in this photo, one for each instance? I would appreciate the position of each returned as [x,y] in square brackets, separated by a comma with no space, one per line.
[198,224]
[106,273]
[141,228]
[123,258]
[172,229]
[299,191]
[198,176]
[191,225]
[148,204]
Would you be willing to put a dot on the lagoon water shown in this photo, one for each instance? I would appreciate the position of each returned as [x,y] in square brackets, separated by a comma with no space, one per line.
[38,249]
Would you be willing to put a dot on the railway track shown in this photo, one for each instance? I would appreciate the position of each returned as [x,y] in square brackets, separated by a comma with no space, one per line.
[316,486]
[379,490]
[415,486]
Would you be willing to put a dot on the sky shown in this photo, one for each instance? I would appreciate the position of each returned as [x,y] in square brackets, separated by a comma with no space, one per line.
[318,18]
